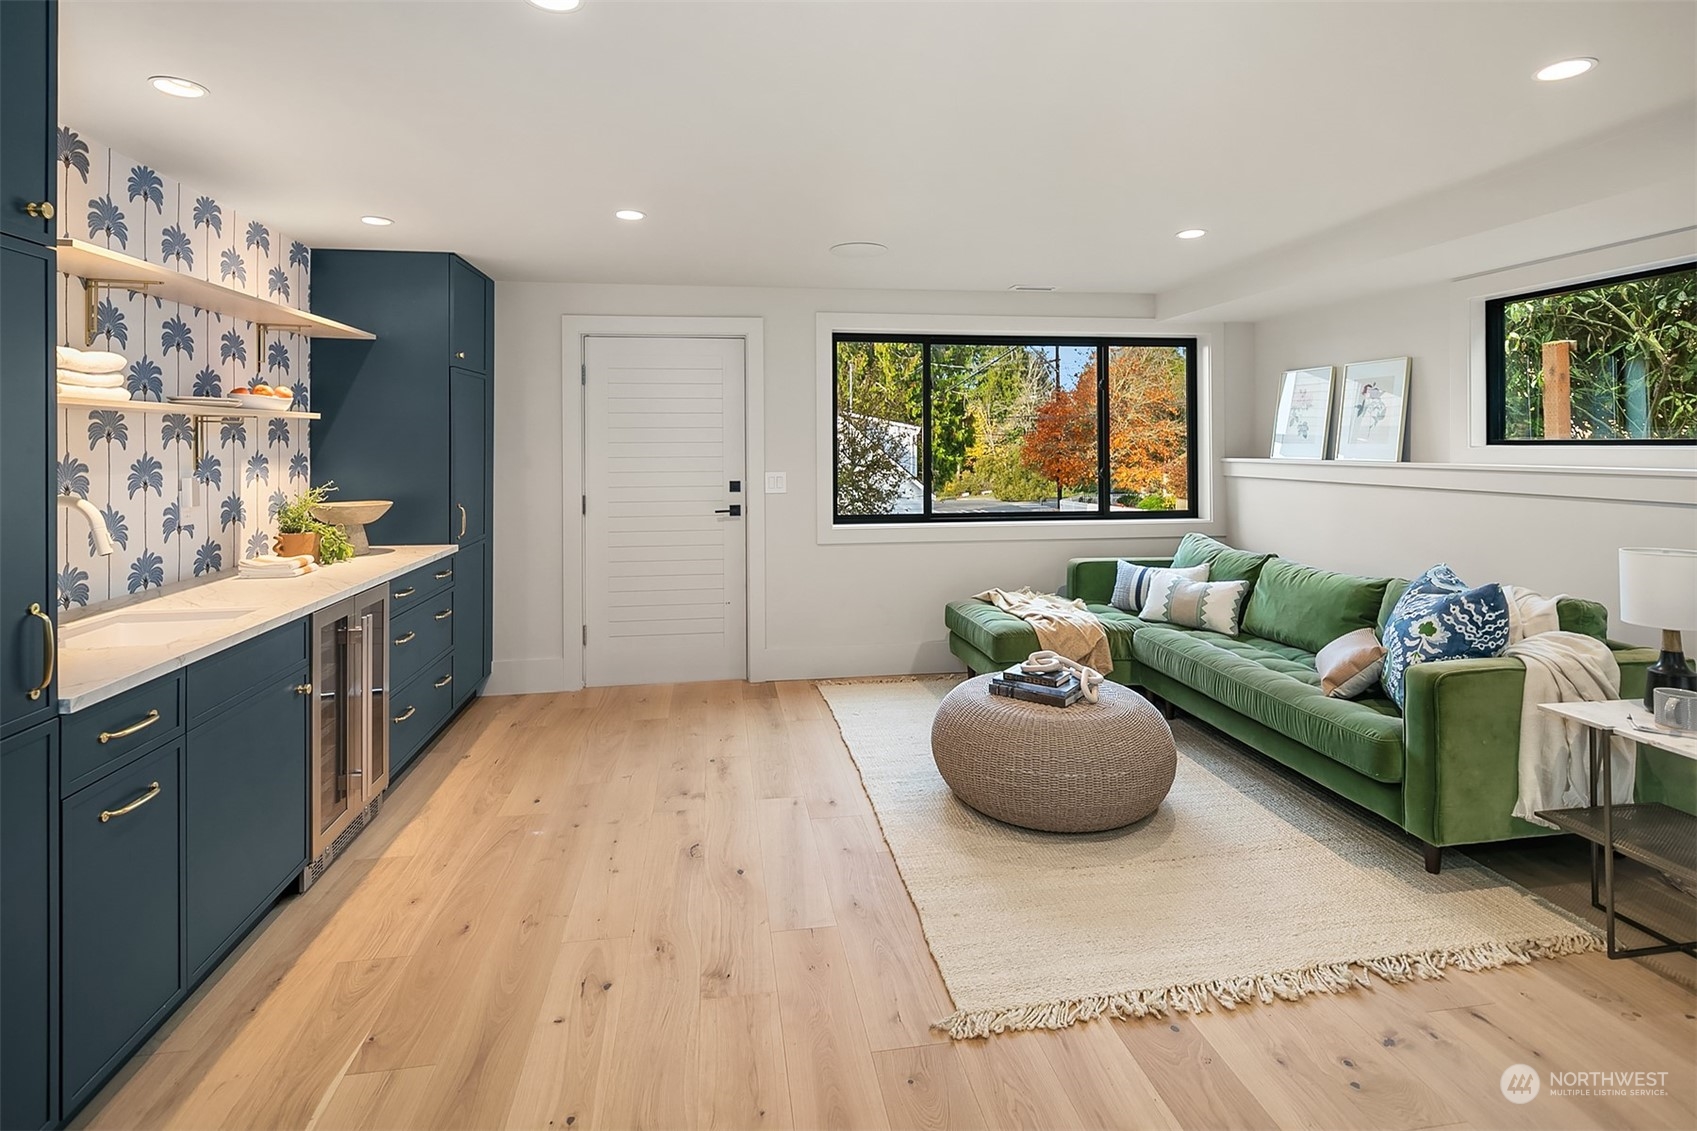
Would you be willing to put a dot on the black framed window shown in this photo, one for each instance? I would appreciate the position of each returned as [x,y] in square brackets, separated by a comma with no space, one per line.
[1612,361]
[944,428]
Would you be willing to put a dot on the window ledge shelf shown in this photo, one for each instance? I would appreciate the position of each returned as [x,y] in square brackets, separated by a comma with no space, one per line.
[1665,486]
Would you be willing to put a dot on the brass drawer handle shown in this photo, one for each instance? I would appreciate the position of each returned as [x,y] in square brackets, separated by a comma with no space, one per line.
[407,639]
[43,210]
[303,689]
[52,652]
[405,715]
[445,575]
[152,792]
[443,615]
[151,718]
[445,681]
[400,593]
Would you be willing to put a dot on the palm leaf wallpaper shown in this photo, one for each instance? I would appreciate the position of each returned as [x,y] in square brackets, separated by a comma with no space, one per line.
[170,520]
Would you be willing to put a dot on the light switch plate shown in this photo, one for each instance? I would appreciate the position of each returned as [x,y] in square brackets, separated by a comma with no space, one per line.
[777,482]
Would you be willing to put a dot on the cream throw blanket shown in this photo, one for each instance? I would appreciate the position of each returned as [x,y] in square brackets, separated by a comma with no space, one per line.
[1063,626]
[1561,667]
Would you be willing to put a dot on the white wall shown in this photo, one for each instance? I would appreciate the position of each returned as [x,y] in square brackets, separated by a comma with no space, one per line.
[1532,517]
[828,609]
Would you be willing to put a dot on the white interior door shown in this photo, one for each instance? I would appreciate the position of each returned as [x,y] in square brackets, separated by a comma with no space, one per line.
[665,559]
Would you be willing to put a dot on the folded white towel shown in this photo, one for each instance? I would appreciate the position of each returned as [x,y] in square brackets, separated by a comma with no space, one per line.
[86,393]
[91,380]
[273,565]
[91,361]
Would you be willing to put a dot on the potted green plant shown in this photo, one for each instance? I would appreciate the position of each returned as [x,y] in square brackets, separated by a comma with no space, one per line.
[298,532]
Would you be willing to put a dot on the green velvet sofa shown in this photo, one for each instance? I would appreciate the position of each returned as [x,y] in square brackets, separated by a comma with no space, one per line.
[1445,770]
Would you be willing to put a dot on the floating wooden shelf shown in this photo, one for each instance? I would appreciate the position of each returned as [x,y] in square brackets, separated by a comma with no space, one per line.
[161,408]
[101,268]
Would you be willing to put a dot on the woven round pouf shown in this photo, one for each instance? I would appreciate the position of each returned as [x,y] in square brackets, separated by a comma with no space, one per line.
[1077,769]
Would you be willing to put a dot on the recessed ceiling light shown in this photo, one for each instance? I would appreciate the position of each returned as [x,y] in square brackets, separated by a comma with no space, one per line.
[1565,69]
[557,5]
[376,221]
[858,249]
[1030,287]
[1192,233]
[176,87]
[629,214]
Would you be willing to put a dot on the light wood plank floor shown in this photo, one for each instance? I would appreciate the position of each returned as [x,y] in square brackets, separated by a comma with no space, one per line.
[670,907]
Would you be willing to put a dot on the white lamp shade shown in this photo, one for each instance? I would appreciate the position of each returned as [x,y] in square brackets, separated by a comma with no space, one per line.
[1658,588]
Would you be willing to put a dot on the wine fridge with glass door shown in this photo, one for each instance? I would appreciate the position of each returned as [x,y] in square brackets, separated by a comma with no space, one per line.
[350,723]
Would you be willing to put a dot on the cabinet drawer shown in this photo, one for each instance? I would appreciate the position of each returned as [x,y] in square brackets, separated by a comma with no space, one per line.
[97,736]
[419,636]
[417,711]
[119,914]
[217,680]
[411,590]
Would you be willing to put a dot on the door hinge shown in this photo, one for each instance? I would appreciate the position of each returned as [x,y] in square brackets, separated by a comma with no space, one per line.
[586,634]
[583,374]
[586,504]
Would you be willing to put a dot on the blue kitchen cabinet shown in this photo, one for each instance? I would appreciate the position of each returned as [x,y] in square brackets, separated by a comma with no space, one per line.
[410,417]
[28,118]
[27,590]
[121,932]
[245,811]
[29,914]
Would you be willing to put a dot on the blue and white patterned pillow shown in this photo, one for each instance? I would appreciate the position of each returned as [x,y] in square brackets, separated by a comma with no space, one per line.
[1440,618]
[1133,583]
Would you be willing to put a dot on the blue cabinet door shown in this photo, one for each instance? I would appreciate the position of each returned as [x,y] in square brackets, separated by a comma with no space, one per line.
[244,813]
[119,920]
[471,620]
[28,118]
[468,454]
[27,592]
[29,917]
[468,309]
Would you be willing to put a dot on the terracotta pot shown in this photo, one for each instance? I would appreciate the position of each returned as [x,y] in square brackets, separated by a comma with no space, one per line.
[291,545]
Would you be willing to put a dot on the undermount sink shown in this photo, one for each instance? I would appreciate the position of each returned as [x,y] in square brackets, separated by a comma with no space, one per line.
[147,629]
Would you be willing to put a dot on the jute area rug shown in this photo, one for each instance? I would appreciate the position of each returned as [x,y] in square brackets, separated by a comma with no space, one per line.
[1245,886]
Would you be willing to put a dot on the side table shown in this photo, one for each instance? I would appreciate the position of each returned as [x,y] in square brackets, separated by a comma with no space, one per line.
[1658,835]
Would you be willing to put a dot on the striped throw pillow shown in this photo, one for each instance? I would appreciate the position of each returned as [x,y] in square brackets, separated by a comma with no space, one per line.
[1133,583]
[1214,605]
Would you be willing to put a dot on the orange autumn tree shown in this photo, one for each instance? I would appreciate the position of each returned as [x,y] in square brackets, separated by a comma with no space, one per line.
[1148,444]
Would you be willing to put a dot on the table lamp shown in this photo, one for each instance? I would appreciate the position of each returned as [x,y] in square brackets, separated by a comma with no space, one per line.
[1658,589]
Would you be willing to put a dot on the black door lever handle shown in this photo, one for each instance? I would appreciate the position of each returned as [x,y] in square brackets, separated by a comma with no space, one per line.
[734,510]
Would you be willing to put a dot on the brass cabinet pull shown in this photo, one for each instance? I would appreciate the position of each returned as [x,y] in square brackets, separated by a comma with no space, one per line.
[152,792]
[303,689]
[443,615]
[43,210]
[462,518]
[151,718]
[407,639]
[460,354]
[405,715]
[444,575]
[52,652]
[445,681]
[407,592]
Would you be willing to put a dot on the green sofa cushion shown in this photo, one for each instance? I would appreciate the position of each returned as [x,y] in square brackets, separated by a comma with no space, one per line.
[1275,685]
[1394,589]
[1007,640]
[1588,617]
[1225,563]
[1309,608]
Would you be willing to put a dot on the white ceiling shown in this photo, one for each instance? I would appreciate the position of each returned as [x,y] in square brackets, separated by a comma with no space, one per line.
[987,144]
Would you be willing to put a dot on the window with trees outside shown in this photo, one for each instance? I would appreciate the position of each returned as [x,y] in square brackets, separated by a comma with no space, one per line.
[933,428]
[1610,361]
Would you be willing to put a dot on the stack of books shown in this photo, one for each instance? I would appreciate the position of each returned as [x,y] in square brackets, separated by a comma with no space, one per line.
[1058,689]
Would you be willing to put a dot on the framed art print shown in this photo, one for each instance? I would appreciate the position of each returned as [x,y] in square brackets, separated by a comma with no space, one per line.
[1373,417]
[1305,413]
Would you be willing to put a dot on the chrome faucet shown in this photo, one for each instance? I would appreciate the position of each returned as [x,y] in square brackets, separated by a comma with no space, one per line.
[96,522]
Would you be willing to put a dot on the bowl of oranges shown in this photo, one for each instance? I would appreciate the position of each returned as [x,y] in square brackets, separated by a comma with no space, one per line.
[272,398]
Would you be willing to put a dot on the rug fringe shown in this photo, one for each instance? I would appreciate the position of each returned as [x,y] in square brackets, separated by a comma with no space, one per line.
[1287,985]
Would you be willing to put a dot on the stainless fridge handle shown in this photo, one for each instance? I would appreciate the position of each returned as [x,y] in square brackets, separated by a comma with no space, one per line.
[357,658]
[367,679]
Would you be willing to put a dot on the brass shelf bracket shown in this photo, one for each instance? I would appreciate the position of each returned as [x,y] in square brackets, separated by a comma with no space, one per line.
[91,289]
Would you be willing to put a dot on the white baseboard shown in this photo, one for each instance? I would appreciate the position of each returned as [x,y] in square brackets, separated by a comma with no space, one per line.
[529,677]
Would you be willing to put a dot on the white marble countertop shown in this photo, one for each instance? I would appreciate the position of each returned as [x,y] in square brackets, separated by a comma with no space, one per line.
[1628,718]
[89,675]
